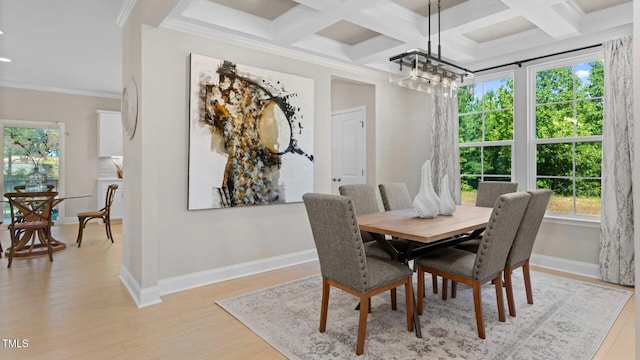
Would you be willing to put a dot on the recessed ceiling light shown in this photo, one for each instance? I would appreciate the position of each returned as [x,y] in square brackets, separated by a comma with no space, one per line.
[4,59]
[1,32]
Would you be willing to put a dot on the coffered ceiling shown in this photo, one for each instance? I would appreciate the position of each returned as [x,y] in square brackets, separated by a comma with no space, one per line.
[76,45]
[474,33]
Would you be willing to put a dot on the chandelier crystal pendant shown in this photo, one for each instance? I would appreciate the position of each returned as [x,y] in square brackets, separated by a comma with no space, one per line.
[425,72]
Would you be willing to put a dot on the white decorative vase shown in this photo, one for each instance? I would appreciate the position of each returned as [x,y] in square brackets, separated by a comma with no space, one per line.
[447,205]
[426,203]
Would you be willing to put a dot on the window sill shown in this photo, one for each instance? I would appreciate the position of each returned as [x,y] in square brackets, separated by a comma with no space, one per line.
[583,221]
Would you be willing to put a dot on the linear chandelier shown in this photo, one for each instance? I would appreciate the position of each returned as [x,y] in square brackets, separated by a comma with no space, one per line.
[425,72]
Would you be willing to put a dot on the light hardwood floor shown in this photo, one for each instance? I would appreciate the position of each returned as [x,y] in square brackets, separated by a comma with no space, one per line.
[76,308]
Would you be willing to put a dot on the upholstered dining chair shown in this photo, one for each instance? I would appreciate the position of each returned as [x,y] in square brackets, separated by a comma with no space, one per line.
[396,196]
[522,246]
[104,214]
[30,219]
[484,266]
[365,202]
[488,193]
[343,263]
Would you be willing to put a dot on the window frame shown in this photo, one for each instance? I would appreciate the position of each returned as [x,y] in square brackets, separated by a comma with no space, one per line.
[533,142]
[483,144]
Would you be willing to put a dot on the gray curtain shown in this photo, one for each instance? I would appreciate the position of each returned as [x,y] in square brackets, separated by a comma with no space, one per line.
[616,236]
[445,157]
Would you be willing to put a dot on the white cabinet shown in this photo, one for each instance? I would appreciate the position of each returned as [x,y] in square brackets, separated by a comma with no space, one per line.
[109,133]
[117,205]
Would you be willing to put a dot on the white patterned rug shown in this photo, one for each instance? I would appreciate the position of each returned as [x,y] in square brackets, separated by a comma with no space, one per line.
[568,320]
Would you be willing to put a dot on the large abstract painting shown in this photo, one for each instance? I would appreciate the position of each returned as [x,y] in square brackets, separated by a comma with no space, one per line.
[250,135]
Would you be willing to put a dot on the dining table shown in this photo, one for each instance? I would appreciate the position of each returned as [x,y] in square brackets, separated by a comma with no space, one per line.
[32,242]
[445,230]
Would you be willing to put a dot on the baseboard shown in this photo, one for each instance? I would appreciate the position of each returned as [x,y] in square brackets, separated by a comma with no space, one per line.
[193,280]
[566,265]
[142,297]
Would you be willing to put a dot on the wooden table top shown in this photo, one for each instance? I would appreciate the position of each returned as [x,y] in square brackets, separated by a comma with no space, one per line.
[406,224]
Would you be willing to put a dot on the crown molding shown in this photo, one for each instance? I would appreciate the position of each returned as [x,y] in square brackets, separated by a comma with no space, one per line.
[125,11]
[35,87]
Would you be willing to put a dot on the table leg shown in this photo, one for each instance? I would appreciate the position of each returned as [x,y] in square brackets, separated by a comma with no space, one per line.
[416,317]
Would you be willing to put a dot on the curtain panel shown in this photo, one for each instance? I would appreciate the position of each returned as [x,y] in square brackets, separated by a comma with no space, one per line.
[445,158]
[617,228]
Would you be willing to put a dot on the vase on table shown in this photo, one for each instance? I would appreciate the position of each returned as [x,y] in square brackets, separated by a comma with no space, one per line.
[426,202]
[36,181]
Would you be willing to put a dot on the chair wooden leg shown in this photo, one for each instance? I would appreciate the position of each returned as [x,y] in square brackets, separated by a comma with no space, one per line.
[394,305]
[81,224]
[47,236]
[109,229]
[509,288]
[362,324]
[445,286]
[434,283]
[500,298]
[325,305]
[420,290]
[527,281]
[106,228]
[13,243]
[408,294]
[477,302]
[454,289]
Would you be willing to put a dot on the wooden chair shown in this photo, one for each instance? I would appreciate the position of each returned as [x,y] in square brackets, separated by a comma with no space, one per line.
[21,188]
[104,214]
[487,265]
[343,263]
[34,221]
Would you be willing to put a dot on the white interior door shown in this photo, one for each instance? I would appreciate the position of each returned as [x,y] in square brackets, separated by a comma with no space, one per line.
[348,147]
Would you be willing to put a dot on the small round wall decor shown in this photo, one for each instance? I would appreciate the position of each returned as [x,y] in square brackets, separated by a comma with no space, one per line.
[129,108]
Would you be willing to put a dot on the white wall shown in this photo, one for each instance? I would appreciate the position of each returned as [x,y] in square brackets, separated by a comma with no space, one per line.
[195,241]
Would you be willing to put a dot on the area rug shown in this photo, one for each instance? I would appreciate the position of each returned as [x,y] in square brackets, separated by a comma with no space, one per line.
[568,320]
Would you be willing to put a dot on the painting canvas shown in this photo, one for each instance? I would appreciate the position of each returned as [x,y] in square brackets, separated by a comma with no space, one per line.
[250,135]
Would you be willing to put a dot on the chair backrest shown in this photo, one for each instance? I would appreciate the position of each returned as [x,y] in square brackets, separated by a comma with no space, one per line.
[498,236]
[489,191]
[395,196]
[21,188]
[528,230]
[111,190]
[364,201]
[335,232]
[363,197]
[31,206]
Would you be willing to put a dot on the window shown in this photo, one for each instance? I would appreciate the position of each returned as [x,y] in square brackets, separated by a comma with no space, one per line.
[25,145]
[486,134]
[567,135]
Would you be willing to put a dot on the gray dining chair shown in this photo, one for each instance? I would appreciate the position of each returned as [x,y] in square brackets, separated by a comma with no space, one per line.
[343,263]
[365,202]
[522,246]
[484,266]
[396,196]
[488,193]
